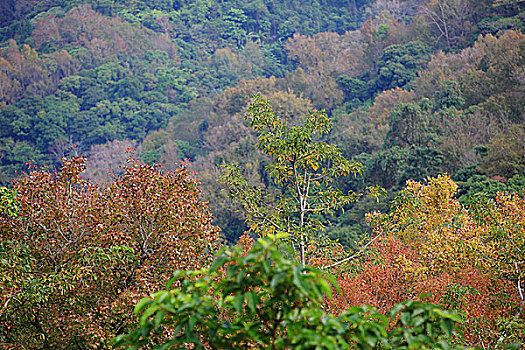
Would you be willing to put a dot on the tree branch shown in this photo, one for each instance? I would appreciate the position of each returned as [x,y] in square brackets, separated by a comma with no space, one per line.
[352,257]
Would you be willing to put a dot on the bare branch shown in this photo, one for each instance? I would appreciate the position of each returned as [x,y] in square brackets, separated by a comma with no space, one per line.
[352,257]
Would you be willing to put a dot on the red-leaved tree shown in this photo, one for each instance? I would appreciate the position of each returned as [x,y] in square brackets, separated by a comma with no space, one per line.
[77,257]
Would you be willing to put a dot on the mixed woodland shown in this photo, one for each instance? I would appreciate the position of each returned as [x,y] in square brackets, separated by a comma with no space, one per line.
[346,153]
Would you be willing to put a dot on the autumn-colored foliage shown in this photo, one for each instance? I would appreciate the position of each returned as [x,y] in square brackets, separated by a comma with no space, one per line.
[77,257]
[413,88]
[321,59]
[467,259]
[103,37]
[260,299]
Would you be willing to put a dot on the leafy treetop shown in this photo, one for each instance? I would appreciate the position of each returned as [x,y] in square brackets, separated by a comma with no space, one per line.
[304,167]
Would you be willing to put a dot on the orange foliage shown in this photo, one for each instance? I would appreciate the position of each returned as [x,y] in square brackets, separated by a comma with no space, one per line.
[95,252]
[466,259]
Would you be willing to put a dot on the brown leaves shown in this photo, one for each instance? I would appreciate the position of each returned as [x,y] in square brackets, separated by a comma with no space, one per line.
[322,58]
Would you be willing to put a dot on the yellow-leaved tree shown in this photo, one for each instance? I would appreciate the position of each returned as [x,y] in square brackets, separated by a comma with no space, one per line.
[468,258]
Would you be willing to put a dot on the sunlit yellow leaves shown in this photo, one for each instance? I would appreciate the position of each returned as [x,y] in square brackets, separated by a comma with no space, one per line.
[430,219]
[449,237]
[467,257]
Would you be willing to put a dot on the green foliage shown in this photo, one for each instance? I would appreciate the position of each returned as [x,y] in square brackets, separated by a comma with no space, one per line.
[410,125]
[449,96]
[516,184]
[392,167]
[304,167]
[111,81]
[262,299]
[235,21]
[92,73]
[8,204]
[350,227]
[473,184]
[479,185]
[348,235]
[16,155]
[353,88]
[399,64]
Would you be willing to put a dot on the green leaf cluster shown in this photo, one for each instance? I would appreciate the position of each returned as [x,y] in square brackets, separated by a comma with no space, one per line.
[303,166]
[8,204]
[262,299]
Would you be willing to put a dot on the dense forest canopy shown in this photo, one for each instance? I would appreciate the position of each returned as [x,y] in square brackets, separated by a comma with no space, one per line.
[426,98]
[415,88]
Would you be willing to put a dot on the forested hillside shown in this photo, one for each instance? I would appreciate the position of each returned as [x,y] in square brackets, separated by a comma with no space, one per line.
[104,71]
[415,88]
[426,98]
